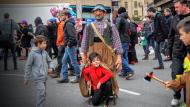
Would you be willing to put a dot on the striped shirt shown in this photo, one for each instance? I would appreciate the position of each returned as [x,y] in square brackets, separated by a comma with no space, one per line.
[100,27]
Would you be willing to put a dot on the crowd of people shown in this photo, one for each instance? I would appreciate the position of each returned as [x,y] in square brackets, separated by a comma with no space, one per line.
[99,44]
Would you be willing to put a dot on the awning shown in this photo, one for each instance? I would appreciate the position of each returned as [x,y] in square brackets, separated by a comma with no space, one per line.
[89,8]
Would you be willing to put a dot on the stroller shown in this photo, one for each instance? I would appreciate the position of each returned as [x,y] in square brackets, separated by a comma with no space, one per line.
[87,91]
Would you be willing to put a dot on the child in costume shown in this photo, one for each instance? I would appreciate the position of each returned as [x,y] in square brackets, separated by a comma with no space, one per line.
[100,79]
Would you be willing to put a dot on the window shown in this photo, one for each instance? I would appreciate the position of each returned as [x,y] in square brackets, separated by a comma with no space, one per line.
[135,12]
[135,4]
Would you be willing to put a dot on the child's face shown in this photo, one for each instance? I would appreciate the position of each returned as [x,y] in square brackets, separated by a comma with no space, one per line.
[42,45]
[185,37]
[96,62]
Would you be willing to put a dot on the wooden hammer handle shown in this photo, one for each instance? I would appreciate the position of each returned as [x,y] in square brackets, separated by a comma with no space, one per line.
[159,80]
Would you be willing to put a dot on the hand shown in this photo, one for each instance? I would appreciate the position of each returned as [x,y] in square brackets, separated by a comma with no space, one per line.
[26,82]
[98,85]
[88,83]
[185,39]
[118,62]
[167,85]
[50,71]
[84,58]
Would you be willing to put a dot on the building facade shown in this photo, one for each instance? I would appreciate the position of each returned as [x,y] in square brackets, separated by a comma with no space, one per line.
[136,8]
[29,9]
[162,4]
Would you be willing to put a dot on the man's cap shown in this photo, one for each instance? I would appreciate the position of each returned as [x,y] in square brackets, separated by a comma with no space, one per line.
[99,7]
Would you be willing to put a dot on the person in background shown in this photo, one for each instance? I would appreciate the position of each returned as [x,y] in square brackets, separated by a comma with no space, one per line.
[123,27]
[160,33]
[70,43]
[25,39]
[165,50]
[52,37]
[8,27]
[146,34]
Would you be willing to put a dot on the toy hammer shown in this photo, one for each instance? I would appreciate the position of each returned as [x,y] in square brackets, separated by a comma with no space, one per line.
[150,76]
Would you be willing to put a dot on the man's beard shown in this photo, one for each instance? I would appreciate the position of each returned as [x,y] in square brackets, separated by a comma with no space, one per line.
[99,18]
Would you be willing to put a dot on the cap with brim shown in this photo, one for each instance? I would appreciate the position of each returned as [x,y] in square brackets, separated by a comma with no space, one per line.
[99,7]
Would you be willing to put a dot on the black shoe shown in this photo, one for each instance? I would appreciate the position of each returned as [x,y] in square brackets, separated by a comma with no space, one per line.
[63,81]
[54,75]
[159,68]
[76,80]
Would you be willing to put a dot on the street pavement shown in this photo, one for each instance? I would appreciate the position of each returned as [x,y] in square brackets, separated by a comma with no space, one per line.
[133,93]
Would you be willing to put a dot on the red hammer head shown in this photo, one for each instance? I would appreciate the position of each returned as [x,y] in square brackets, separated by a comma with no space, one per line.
[148,76]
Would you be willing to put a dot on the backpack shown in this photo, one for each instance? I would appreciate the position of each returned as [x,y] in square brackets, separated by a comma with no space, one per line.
[6,40]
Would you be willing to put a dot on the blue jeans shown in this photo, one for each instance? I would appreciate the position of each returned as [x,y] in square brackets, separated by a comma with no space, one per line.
[70,53]
[158,53]
[125,62]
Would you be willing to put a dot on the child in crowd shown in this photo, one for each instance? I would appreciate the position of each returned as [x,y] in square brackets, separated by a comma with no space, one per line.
[100,78]
[37,67]
[184,80]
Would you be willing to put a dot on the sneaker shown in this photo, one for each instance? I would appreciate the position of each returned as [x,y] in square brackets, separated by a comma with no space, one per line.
[159,67]
[175,102]
[76,80]
[122,74]
[63,81]
[129,75]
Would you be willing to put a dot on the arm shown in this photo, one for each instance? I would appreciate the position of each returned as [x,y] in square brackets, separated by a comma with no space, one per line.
[116,41]
[107,76]
[72,37]
[117,46]
[86,74]
[163,25]
[28,67]
[171,38]
[178,83]
[85,45]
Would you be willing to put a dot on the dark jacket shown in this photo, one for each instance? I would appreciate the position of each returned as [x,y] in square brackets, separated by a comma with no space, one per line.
[123,27]
[52,31]
[133,33]
[5,28]
[169,20]
[160,28]
[70,36]
[175,45]
[40,28]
